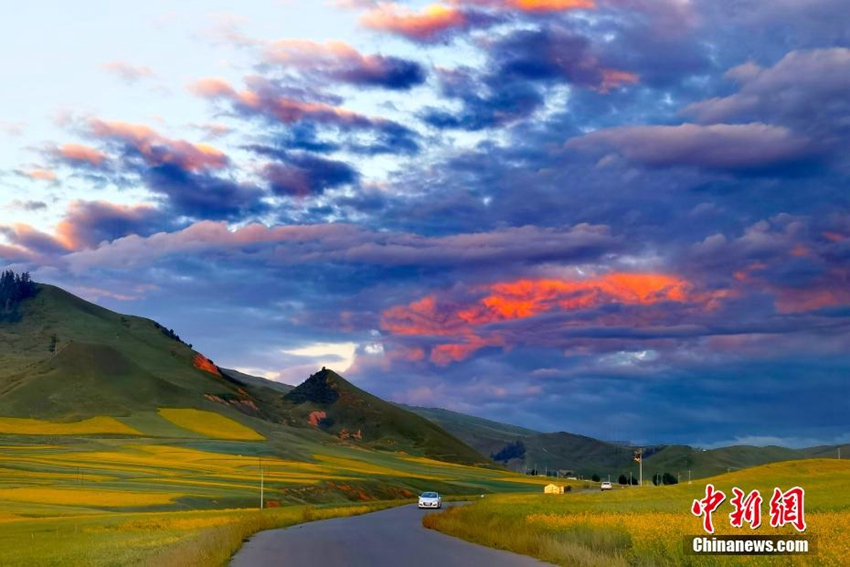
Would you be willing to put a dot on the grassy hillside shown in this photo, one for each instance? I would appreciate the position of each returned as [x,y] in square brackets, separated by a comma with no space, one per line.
[486,436]
[328,402]
[67,358]
[647,526]
[64,360]
[586,456]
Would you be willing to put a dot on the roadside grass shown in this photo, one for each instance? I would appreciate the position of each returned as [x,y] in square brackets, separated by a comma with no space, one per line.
[210,424]
[647,526]
[206,538]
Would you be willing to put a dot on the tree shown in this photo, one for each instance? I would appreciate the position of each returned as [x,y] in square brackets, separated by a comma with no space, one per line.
[595,478]
[623,479]
[669,479]
[515,450]
[14,290]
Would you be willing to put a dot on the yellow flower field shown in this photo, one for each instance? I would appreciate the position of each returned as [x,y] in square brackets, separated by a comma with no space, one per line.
[648,526]
[93,426]
[87,497]
[210,424]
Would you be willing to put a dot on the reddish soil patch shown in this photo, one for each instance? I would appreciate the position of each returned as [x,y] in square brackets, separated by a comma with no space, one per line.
[205,364]
[316,417]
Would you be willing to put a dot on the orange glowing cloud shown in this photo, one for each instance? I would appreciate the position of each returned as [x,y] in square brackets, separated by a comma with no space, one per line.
[527,298]
[157,149]
[425,25]
[551,5]
[541,6]
[81,153]
[41,175]
[445,354]
[522,299]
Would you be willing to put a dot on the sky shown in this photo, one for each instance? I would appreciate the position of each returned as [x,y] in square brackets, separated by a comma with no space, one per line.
[628,219]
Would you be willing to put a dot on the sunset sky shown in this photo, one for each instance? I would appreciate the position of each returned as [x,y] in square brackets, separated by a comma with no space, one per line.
[623,218]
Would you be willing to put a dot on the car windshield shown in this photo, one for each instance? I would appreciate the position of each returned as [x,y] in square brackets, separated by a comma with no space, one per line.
[429,495]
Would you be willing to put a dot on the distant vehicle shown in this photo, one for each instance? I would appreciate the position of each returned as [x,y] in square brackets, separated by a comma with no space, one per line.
[606,486]
[430,500]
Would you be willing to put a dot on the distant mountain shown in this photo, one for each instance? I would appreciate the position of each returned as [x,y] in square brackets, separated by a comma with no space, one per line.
[329,402]
[525,449]
[63,358]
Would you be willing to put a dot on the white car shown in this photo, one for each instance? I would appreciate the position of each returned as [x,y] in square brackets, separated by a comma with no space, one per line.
[606,486]
[430,500]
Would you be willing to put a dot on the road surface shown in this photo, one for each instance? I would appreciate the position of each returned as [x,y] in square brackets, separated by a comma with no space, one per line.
[386,538]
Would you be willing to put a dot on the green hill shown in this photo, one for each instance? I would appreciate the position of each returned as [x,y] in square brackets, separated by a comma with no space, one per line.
[65,359]
[332,404]
[585,456]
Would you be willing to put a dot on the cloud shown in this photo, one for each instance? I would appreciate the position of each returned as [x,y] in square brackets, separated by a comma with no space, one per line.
[80,154]
[469,322]
[283,106]
[203,195]
[128,73]
[433,23]
[555,53]
[30,206]
[534,6]
[34,241]
[40,174]
[521,65]
[726,147]
[441,22]
[155,149]
[89,223]
[353,245]
[339,61]
[807,90]
[305,174]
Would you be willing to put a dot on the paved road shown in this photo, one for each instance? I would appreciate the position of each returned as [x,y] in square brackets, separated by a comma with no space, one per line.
[387,538]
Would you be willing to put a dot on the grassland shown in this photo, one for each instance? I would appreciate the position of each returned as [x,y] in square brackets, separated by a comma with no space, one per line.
[137,501]
[646,526]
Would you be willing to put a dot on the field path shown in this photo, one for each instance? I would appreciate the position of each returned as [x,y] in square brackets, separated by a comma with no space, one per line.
[387,538]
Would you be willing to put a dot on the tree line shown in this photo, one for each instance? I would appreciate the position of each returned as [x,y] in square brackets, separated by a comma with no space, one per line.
[14,289]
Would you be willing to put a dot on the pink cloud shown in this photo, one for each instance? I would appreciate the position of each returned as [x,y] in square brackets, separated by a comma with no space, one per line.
[80,153]
[428,24]
[157,149]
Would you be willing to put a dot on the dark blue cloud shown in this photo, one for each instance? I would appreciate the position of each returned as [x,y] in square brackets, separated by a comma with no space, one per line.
[203,195]
[304,174]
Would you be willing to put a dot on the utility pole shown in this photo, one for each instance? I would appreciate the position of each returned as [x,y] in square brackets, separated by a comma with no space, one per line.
[689,476]
[639,459]
[262,482]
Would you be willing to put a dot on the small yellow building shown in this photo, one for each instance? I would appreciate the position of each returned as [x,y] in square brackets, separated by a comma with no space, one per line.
[553,489]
